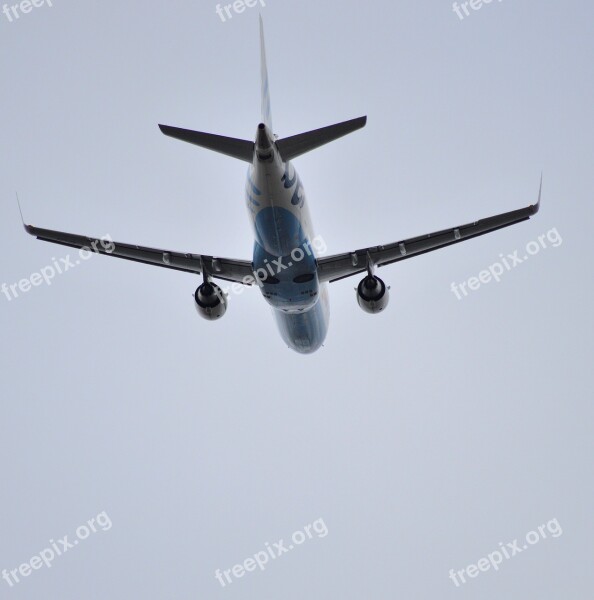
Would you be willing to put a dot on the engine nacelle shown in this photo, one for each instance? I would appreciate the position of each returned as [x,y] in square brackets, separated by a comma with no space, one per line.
[372,294]
[211,302]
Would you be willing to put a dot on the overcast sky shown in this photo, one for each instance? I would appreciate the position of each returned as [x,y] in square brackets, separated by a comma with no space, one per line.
[422,437]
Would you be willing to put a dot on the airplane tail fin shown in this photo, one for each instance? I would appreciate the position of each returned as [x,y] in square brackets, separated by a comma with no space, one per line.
[288,148]
[296,145]
[265,93]
[236,148]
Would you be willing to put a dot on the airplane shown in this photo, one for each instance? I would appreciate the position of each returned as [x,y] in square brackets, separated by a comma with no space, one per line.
[291,277]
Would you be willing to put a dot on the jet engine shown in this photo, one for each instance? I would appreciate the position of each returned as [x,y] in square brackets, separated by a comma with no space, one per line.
[372,294]
[211,302]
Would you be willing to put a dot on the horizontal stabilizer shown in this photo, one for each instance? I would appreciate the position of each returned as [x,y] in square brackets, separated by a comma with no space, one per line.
[297,145]
[241,149]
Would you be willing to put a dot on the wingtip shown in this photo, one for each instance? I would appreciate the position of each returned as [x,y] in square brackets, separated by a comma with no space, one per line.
[537,205]
[20,209]
[28,228]
[534,208]
[166,129]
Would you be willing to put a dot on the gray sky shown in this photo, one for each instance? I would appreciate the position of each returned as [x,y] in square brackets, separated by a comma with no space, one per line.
[423,436]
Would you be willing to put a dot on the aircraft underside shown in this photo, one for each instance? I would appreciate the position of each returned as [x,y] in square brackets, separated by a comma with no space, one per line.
[286,263]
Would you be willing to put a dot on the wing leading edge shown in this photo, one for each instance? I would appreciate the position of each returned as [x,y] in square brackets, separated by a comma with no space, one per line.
[339,266]
[222,268]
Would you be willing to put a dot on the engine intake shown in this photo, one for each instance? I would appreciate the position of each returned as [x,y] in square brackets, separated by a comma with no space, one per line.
[372,294]
[211,302]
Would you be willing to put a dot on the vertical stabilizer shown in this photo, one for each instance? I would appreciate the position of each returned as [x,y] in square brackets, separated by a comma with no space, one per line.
[266,114]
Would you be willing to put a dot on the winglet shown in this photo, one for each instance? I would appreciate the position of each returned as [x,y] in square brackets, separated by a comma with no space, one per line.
[20,209]
[28,228]
[536,207]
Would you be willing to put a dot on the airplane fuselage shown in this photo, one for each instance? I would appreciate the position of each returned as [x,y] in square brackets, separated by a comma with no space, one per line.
[284,258]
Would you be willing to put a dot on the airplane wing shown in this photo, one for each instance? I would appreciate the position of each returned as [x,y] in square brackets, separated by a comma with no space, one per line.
[221,268]
[339,266]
